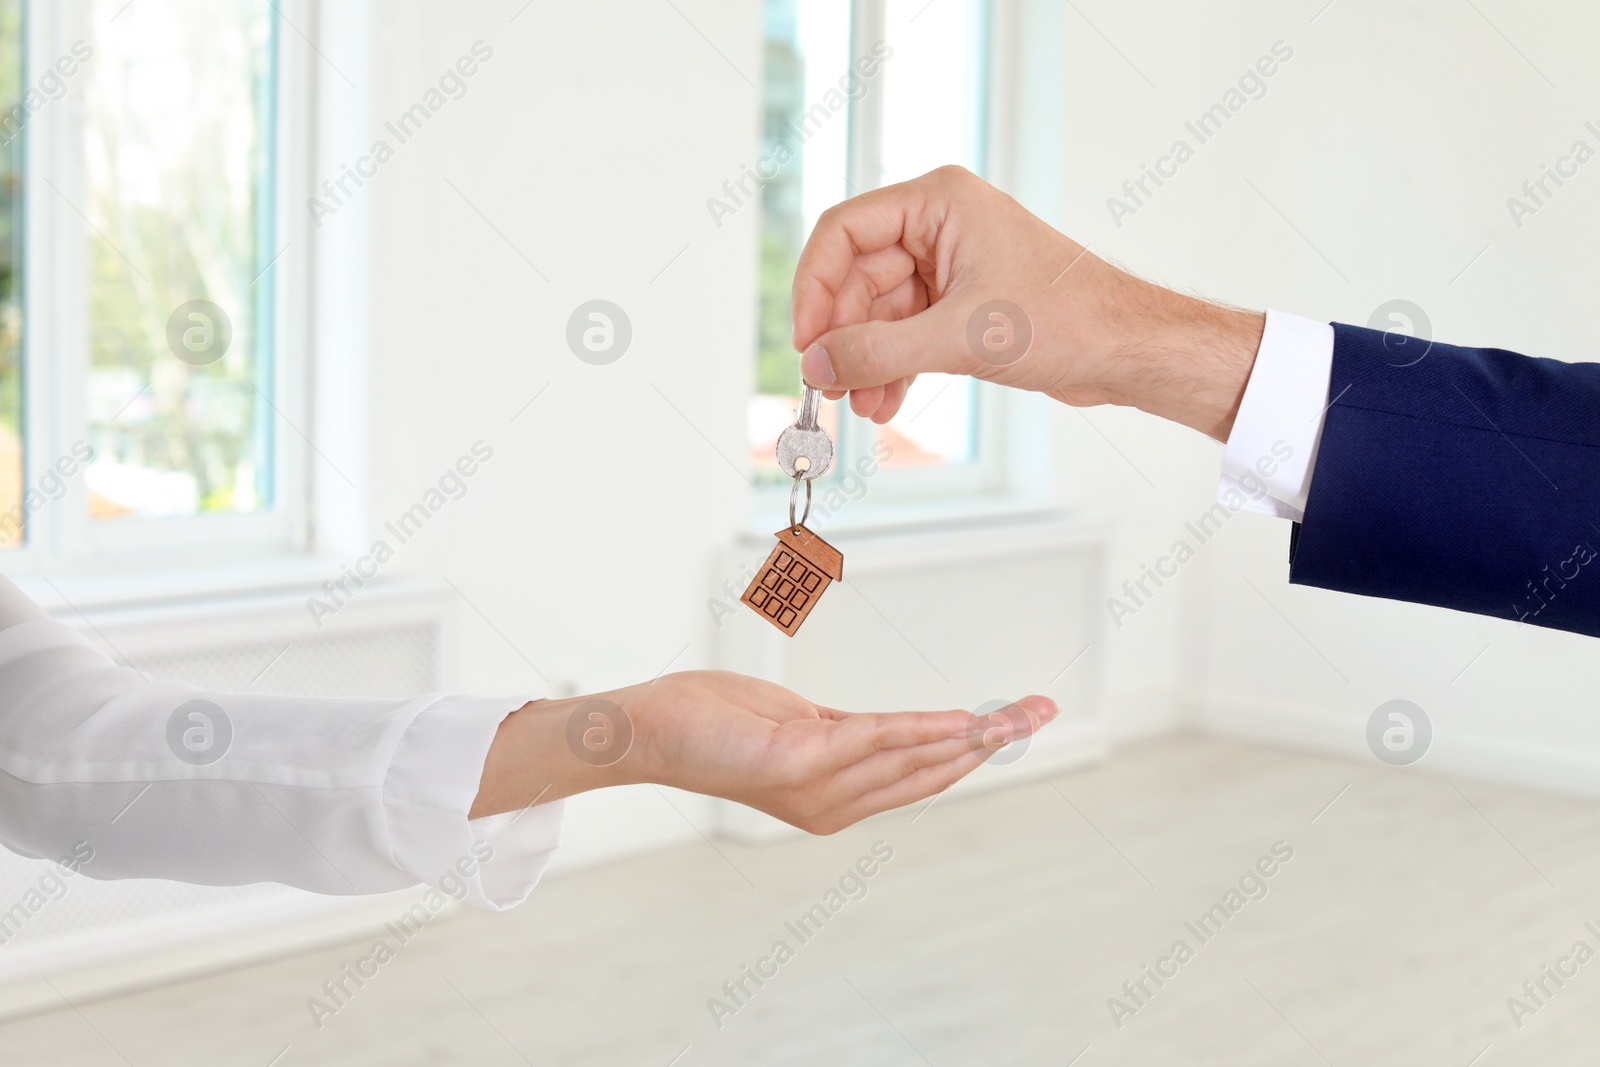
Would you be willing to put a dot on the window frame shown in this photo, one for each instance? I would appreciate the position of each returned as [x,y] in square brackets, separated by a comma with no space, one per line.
[1010,469]
[55,348]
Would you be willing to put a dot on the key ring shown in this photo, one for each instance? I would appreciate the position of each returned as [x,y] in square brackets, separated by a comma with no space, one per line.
[794,491]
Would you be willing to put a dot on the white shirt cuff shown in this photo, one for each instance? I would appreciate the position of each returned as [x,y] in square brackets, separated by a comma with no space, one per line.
[492,862]
[1267,464]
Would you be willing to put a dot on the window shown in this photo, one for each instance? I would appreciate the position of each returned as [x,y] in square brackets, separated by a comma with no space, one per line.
[926,105]
[144,387]
[11,467]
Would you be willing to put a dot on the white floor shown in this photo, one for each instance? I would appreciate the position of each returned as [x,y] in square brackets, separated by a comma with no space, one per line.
[1412,908]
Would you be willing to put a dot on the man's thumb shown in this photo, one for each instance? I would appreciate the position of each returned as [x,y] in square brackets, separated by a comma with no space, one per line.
[877,353]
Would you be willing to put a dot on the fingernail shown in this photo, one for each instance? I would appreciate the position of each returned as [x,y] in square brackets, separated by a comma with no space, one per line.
[816,368]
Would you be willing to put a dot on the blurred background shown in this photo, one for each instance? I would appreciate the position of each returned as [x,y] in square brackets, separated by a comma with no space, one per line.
[279,263]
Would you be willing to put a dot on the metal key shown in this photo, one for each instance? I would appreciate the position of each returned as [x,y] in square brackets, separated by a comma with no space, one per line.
[805,450]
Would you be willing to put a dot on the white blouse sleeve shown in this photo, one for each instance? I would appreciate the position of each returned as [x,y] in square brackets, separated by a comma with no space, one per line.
[156,779]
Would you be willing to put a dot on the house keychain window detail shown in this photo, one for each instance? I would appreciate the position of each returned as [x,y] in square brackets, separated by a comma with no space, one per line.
[803,565]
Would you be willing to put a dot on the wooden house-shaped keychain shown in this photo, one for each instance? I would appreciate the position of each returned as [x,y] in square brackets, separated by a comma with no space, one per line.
[793,577]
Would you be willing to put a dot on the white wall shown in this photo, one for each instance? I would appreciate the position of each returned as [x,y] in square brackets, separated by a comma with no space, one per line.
[1391,140]
[600,493]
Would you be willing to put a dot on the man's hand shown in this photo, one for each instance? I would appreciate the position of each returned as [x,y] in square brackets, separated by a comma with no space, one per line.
[735,737]
[904,280]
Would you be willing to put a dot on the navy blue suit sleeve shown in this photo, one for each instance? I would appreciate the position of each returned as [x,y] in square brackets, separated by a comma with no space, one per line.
[1466,478]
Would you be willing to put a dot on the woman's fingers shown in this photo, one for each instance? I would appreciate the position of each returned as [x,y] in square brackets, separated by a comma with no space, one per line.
[899,742]
[872,762]
[887,767]
[1020,718]
[981,735]
[879,777]
[858,736]
[918,785]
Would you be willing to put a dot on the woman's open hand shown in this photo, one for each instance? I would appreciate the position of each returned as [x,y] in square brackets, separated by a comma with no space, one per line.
[726,735]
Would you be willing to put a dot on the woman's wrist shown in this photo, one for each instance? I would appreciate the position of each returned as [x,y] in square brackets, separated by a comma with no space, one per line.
[551,749]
